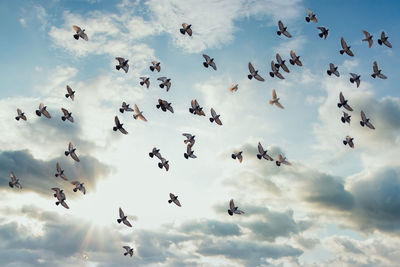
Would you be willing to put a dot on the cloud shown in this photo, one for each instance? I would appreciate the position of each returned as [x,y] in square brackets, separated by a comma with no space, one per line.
[212,227]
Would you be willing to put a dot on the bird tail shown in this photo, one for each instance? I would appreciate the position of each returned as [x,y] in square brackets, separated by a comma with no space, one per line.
[121,110]
[10,184]
[307,19]
[344,142]
[362,123]
[278,163]
[76,36]
[141,83]
[271,74]
[63,118]
[186,155]
[351,80]
[151,155]
[373,75]
[126,253]
[160,165]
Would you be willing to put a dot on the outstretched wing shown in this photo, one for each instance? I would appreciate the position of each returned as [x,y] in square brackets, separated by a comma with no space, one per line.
[258,77]
[213,113]
[343,43]
[12,176]
[120,60]
[279,105]
[260,148]
[375,67]
[116,120]
[74,156]
[64,204]
[121,213]
[363,117]
[58,167]
[136,109]
[64,111]
[207,58]
[76,28]
[274,94]
[280,25]
[231,205]
[251,68]
[70,146]
[341,97]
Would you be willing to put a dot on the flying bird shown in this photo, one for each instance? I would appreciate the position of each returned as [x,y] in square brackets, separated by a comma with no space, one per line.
[234,87]
[275,71]
[238,155]
[119,126]
[138,114]
[70,93]
[254,73]
[21,115]
[79,33]
[155,152]
[345,118]
[60,197]
[42,110]
[186,28]
[295,59]
[146,81]
[282,160]
[60,172]
[67,115]
[345,48]
[209,62]
[123,218]
[355,79]
[263,153]
[189,152]
[196,109]
[281,63]
[311,16]
[71,152]
[125,107]
[282,30]
[164,105]
[377,72]
[129,250]
[14,181]
[323,33]
[343,102]
[234,210]
[122,64]
[275,100]
[163,163]
[174,199]
[384,40]
[349,141]
[333,70]
[215,117]
[155,66]
[79,186]
[189,139]
[165,82]
[365,121]
[368,38]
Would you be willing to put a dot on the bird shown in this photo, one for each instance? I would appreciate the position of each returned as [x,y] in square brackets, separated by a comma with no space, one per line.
[349,141]
[215,117]
[345,48]
[377,72]
[60,197]
[70,93]
[189,138]
[254,73]
[79,186]
[365,121]
[345,118]
[234,87]
[174,199]
[195,108]
[129,250]
[275,71]
[125,107]
[155,152]
[343,102]
[282,160]
[355,78]
[123,218]
[263,153]
[295,59]
[275,100]
[323,33]
[80,33]
[238,155]
[119,126]
[281,63]
[146,81]
[163,163]
[384,40]
[138,114]
[234,210]
[21,115]
[186,28]
[155,66]
[189,152]
[60,172]
[164,105]
[67,115]
[42,110]
[14,181]
[71,152]
[311,16]
[122,64]
[209,62]
[333,70]
[282,30]
[165,82]
[368,38]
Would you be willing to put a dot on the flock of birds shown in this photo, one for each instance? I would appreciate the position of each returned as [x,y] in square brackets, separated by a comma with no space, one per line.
[196,109]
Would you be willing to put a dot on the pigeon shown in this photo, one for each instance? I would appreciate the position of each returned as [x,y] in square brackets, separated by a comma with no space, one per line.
[123,64]
[196,109]
[254,73]
[295,59]
[129,250]
[186,29]
[79,186]
[281,63]
[275,100]
[343,102]
[155,152]
[209,62]
[146,81]
[123,218]
[311,16]
[349,141]
[174,199]
[189,152]
[155,66]
[67,115]
[377,72]
[282,160]
[163,163]
[282,30]
[165,82]
[70,93]
[355,78]
[125,107]
[275,71]
[164,105]
[118,126]
[365,121]
[238,155]
[189,138]
[79,33]
[234,87]
[263,153]
[60,172]
[345,118]
[384,40]
[333,70]
[323,33]
[346,49]
[138,114]
[368,38]
[60,197]
[14,181]
[71,152]
[215,117]
[234,210]
[42,110]
[21,115]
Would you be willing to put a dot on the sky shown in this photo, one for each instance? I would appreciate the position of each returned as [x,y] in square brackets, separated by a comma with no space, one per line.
[335,206]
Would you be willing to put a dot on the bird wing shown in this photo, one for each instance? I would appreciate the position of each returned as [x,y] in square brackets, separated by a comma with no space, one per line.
[127,248]
[83,189]
[346,106]
[367,35]
[126,68]
[76,28]
[358,82]
[351,144]
[260,148]
[193,104]
[287,34]
[64,111]
[279,75]
[280,25]
[176,201]
[74,156]
[69,90]
[322,29]
[12,176]
[64,204]
[213,113]
[75,183]
[273,68]
[162,78]
[70,146]
[58,167]
[142,118]
[251,68]
[382,76]
[136,109]
[212,64]
[343,43]
[387,43]
[189,31]
[267,157]
[278,58]
[309,12]
[56,189]
[375,67]
[169,107]
[285,68]
[363,117]
[116,120]
[370,125]
[258,77]
[218,121]
[122,130]
[172,196]
[120,60]
[19,112]
[274,96]
[331,67]
[239,212]
[231,205]
[207,58]
[293,55]
[240,158]
[46,113]
[121,213]
[41,105]
[279,105]
[383,35]
[280,158]
[341,97]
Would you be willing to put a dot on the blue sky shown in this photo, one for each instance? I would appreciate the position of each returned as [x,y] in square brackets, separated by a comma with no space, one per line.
[334,206]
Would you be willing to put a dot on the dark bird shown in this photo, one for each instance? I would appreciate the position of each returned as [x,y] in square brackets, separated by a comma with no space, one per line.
[238,155]
[377,72]
[343,102]
[60,172]
[71,152]
[254,73]
[345,118]
[196,109]
[189,152]
[186,28]
[215,117]
[70,93]
[165,82]
[80,33]
[368,38]
[275,71]
[79,186]
[209,62]
[21,115]
[345,48]
[323,33]
[14,181]
[122,64]
[311,16]
[384,40]
[164,105]
[355,79]
[123,218]
[282,30]
[234,210]
[333,70]
[174,199]
[60,197]
[125,107]
[281,63]
[155,66]
[42,110]
[365,121]
[349,141]
[146,81]
[295,59]
[67,115]
[263,153]
[119,126]
[129,250]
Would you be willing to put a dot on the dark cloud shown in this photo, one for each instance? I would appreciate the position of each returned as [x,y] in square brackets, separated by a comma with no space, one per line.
[211,227]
